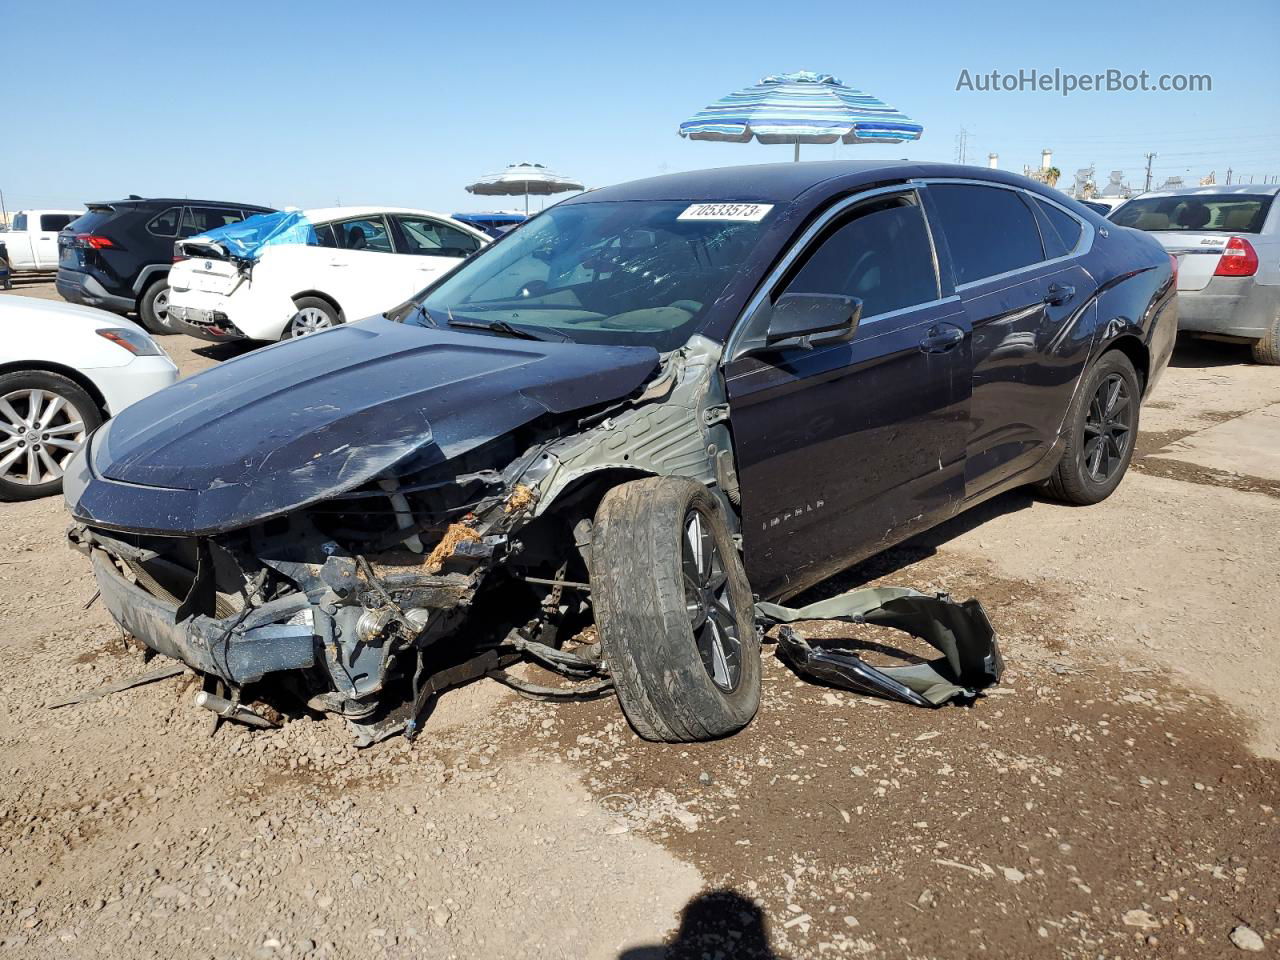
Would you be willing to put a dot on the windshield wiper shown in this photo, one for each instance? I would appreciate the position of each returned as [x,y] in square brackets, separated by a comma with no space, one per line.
[502,326]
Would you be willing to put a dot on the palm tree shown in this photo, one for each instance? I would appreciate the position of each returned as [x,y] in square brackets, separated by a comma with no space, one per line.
[1051,176]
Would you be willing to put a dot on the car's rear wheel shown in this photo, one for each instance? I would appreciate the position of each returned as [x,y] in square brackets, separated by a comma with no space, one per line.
[313,316]
[1267,349]
[44,420]
[1102,427]
[153,307]
[674,611]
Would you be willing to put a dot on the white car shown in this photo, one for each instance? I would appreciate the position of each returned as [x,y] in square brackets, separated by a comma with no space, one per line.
[1226,239]
[366,260]
[32,239]
[63,370]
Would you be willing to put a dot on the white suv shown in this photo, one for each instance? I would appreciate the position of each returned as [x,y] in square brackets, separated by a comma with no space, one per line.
[364,260]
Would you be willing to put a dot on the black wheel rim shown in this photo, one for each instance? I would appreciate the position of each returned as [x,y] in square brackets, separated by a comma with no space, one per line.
[1108,429]
[709,601]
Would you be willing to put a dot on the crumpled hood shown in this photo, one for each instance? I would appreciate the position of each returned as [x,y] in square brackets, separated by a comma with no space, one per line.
[307,419]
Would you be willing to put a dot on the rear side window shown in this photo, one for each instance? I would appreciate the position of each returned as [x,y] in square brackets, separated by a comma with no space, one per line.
[434,239]
[53,222]
[367,233]
[989,230]
[19,222]
[324,236]
[1199,212]
[881,255]
[202,219]
[1066,227]
[165,223]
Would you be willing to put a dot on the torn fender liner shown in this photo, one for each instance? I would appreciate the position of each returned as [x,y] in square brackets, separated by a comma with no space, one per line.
[961,631]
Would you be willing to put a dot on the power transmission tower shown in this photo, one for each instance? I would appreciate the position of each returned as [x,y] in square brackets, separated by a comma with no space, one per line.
[1228,176]
[1150,157]
[962,146]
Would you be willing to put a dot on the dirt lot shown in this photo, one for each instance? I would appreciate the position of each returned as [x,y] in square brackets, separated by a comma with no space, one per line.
[1115,797]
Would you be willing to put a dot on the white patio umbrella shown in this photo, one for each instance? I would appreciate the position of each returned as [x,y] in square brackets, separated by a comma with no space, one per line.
[523,178]
[798,108]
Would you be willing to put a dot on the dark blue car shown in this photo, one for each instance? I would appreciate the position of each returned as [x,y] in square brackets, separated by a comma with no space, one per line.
[647,405]
[494,224]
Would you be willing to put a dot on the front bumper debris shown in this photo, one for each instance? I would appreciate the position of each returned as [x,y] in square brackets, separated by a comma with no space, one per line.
[238,649]
[971,658]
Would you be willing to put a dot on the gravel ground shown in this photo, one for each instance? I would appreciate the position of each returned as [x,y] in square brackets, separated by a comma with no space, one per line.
[1115,796]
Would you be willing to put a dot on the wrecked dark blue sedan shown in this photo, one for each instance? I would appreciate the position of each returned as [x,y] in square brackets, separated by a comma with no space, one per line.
[647,407]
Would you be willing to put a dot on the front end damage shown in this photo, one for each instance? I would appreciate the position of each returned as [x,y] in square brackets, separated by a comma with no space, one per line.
[370,602]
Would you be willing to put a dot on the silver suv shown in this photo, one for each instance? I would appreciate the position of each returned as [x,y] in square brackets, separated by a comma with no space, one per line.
[1227,243]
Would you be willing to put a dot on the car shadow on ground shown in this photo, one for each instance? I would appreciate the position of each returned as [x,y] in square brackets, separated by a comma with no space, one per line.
[225,351]
[1198,352]
[722,923]
[919,547]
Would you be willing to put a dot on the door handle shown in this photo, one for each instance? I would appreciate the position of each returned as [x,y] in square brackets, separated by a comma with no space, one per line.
[941,338]
[1059,293]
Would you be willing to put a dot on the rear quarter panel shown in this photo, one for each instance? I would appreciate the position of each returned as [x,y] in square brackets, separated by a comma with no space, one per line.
[1136,295]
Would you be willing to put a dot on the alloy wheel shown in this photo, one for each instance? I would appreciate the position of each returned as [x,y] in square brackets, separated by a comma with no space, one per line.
[709,603]
[39,433]
[160,307]
[309,320]
[1108,428]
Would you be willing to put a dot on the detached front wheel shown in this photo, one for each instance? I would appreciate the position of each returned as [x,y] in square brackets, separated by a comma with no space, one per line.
[674,611]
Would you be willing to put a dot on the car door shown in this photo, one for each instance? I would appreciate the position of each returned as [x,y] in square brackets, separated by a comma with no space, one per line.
[1030,305]
[428,248]
[362,272]
[845,449]
[45,241]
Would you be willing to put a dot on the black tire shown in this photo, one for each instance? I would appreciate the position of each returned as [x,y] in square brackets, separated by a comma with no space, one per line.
[153,314]
[1266,349]
[1075,480]
[296,329]
[14,389]
[643,615]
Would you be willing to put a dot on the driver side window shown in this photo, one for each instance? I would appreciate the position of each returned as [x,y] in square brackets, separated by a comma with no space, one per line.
[879,253]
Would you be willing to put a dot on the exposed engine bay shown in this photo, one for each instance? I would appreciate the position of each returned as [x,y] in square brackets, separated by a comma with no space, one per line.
[371,602]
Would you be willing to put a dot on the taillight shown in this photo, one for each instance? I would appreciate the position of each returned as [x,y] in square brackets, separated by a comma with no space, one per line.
[93,241]
[1173,265]
[1239,259]
[178,255]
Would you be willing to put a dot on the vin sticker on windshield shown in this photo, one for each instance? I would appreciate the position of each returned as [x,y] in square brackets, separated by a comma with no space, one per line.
[745,212]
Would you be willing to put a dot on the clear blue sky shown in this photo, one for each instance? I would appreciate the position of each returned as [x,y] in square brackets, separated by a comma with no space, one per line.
[315,102]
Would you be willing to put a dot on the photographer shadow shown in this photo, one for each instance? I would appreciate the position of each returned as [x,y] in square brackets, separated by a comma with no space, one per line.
[720,923]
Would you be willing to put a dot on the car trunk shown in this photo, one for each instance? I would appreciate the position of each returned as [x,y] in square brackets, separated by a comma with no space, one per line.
[206,274]
[1198,255]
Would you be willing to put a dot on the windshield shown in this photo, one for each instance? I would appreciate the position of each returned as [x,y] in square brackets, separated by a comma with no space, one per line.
[1203,213]
[619,272]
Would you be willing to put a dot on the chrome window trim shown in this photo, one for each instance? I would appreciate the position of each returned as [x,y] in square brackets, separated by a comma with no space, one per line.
[806,239]
[1082,247]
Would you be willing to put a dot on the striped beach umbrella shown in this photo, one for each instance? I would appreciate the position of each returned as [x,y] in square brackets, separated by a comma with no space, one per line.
[523,178]
[798,108]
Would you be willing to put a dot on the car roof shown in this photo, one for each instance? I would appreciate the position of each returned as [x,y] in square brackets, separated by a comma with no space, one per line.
[177,201]
[322,214]
[784,182]
[1265,189]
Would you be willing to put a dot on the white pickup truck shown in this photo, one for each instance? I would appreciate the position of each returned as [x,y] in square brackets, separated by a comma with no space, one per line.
[32,239]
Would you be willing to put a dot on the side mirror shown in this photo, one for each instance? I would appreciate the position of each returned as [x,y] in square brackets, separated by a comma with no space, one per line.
[808,320]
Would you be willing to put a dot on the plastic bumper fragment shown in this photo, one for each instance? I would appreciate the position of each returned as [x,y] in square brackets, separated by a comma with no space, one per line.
[971,658]
[237,649]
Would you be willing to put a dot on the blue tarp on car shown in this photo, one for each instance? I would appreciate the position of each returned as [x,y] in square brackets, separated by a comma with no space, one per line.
[245,240]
